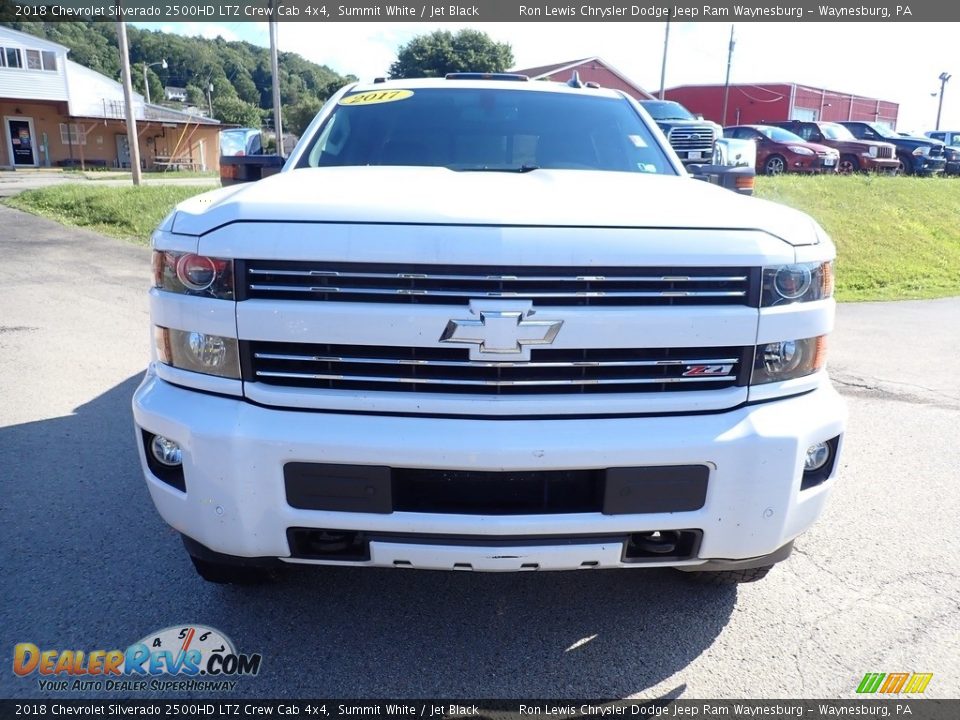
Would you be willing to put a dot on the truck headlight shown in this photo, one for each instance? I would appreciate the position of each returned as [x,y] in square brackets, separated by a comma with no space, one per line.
[798,282]
[922,150]
[788,359]
[198,352]
[193,274]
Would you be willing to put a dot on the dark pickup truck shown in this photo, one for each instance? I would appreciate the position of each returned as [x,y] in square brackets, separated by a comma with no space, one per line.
[917,156]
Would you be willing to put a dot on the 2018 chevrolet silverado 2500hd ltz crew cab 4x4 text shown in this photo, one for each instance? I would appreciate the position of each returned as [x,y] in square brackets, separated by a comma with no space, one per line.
[488,324]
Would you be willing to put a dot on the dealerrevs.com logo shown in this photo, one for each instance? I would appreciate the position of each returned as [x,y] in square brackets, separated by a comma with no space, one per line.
[178,658]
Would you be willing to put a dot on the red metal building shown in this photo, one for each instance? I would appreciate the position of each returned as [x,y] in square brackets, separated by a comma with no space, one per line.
[592,69]
[752,104]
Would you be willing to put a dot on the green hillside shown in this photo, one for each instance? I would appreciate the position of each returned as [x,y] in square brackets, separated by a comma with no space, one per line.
[239,71]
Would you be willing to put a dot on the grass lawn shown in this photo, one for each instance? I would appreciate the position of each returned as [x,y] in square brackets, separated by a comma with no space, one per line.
[131,213]
[149,174]
[897,237]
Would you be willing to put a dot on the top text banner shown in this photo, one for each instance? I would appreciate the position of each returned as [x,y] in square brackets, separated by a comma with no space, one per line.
[483,11]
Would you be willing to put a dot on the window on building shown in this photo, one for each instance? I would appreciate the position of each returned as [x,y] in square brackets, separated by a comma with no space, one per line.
[33,60]
[12,57]
[73,134]
[49,61]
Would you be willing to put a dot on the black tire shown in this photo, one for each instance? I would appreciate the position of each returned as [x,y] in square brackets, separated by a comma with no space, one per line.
[223,574]
[848,165]
[775,165]
[729,577]
[905,165]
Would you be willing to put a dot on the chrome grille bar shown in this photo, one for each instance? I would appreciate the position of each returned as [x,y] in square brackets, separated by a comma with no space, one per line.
[494,364]
[452,370]
[503,294]
[318,280]
[490,383]
[512,278]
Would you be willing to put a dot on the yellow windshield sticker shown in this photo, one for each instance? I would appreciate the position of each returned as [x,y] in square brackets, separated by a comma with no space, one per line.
[375,98]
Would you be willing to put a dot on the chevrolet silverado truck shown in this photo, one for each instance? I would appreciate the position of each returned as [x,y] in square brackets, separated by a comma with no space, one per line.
[492,325]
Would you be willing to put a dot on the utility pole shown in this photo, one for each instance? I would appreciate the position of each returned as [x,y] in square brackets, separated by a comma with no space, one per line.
[275,71]
[132,138]
[726,84]
[663,65]
[210,98]
[943,86]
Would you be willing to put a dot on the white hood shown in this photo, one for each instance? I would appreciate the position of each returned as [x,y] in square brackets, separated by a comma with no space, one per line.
[427,195]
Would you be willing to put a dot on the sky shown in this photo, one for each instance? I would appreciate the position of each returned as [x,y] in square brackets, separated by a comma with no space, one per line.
[893,61]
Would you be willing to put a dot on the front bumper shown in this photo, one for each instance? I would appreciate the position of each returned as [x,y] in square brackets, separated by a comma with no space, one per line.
[924,165]
[812,164]
[873,164]
[235,502]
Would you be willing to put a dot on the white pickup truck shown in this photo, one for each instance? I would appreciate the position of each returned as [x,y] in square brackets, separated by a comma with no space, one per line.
[488,324]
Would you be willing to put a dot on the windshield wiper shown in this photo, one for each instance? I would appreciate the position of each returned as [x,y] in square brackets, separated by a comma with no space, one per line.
[519,169]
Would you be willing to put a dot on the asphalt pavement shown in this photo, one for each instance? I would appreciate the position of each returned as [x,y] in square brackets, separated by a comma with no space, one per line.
[88,564]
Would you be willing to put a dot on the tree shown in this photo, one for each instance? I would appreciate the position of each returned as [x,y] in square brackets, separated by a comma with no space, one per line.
[231,110]
[297,117]
[442,52]
[196,97]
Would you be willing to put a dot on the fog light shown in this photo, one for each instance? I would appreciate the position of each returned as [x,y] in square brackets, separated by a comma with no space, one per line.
[166,451]
[209,351]
[781,358]
[818,455]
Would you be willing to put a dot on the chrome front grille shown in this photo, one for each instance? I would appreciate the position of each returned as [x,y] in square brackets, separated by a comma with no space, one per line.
[457,285]
[884,152]
[691,138]
[450,370]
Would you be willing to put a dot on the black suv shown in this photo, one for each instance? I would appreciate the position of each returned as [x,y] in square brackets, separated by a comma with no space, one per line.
[917,156]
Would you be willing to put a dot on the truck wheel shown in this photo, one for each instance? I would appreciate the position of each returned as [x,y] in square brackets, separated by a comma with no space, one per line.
[729,577]
[848,165]
[905,165]
[223,574]
[775,165]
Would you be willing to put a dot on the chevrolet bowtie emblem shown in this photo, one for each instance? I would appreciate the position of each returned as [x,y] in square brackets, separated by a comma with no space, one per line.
[501,332]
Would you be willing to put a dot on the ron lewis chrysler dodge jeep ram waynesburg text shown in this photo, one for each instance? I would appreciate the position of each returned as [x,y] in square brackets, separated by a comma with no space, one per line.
[488,324]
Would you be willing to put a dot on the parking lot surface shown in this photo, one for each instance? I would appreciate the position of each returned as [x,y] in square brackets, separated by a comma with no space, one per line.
[88,564]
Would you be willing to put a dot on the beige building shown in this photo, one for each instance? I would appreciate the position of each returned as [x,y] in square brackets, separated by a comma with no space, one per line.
[57,113]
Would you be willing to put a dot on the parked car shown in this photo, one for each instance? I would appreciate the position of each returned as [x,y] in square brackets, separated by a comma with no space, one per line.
[947,137]
[951,154]
[855,155]
[488,325]
[951,150]
[692,138]
[780,151]
[917,156]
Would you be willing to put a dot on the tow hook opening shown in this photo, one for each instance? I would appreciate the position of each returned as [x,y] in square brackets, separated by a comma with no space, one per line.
[662,545]
[328,544]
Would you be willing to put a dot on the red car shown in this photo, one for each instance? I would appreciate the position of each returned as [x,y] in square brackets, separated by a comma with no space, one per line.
[780,151]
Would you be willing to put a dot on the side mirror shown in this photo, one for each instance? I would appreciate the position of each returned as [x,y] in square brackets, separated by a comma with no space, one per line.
[732,166]
[733,152]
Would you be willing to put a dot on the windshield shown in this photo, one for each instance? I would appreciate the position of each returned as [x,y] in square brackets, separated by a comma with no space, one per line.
[473,129]
[882,130]
[666,110]
[244,141]
[833,131]
[780,135]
